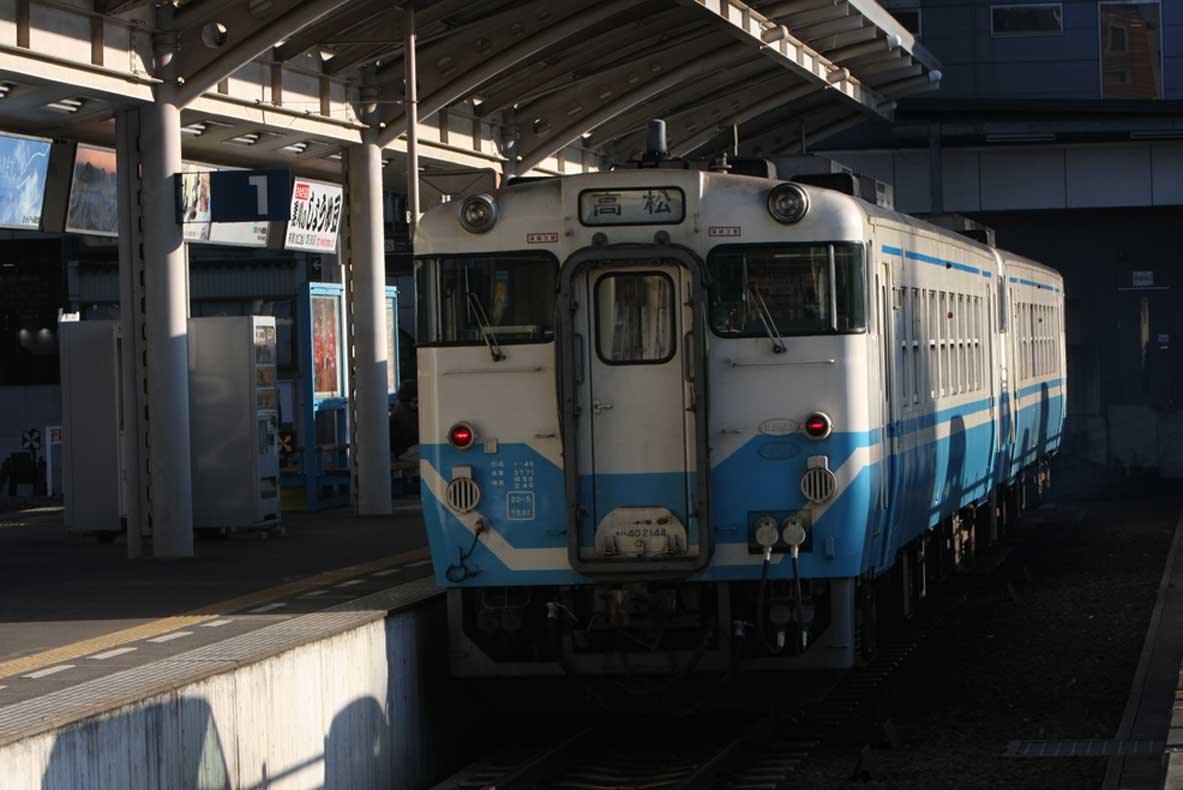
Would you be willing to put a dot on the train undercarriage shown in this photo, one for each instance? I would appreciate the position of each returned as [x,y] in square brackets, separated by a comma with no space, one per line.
[674,628]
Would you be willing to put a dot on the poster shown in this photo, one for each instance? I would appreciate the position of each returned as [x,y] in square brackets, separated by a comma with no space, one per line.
[326,348]
[94,193]
[23,167]
[195,213]
[391,348]
[316,216]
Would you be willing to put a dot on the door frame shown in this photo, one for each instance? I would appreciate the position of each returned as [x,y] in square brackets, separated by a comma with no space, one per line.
[566,306]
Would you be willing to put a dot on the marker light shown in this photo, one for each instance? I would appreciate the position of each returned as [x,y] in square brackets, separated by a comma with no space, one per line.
[462,436]
[787,203]
[478,213]
[818,425]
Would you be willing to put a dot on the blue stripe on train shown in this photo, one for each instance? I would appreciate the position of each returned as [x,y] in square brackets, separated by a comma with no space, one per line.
[762,475]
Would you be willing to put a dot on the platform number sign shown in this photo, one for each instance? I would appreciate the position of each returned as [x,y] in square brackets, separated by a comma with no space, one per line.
[31,439]
[240,196]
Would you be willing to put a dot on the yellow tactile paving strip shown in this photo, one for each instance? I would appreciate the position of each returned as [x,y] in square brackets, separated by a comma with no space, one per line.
[212,611]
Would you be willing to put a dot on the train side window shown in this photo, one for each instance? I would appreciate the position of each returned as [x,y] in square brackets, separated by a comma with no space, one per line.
[972,340]
[951,317]
[934,355]
[917,336]
[980,320]
[943,341]
[975,345]
[962,345]
[904,337]
[1021,337]
[1041,363]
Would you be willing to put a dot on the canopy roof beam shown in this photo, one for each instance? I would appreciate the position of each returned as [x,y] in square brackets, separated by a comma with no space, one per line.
[487,65]
[240,42]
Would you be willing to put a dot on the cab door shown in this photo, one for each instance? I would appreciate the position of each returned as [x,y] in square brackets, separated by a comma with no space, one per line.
[632,422]
[638,404]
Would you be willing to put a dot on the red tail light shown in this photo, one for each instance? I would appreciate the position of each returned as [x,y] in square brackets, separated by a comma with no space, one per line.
[817,426]
[462,436]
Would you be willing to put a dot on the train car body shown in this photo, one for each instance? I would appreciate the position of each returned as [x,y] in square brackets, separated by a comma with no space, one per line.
[664,430]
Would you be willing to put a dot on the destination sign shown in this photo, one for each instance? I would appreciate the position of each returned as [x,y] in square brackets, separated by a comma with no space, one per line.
[644,206]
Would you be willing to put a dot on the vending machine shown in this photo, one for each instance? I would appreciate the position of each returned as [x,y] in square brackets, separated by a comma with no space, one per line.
[234,414]
[91,430]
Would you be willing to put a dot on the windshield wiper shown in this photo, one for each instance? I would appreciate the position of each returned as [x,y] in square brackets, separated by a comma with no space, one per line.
[477,312]
[778,344]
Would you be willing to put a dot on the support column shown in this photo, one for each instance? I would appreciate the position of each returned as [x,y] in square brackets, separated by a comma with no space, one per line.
[166,296]
[936,168]
[131,324]
[368,263]
[412,110]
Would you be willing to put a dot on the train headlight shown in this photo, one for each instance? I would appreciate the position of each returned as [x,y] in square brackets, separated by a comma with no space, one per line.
[478,213]
[787,203]
[462,436]
[818,425]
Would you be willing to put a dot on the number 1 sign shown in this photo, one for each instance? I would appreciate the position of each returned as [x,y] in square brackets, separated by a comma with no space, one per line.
[242,196]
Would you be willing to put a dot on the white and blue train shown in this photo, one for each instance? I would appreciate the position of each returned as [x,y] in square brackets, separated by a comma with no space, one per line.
[676,419]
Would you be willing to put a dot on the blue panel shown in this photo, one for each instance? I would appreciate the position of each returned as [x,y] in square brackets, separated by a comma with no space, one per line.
[250,195]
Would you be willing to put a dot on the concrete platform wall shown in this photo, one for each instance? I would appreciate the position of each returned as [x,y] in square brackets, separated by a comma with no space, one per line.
[368,708]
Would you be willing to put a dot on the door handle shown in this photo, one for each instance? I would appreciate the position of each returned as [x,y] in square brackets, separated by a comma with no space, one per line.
[599,406]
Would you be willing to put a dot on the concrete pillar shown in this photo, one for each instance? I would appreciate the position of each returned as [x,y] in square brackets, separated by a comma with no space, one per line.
[127,152]
[372,432]
[166,299]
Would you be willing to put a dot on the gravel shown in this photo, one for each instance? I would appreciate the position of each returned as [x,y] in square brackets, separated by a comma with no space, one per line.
[1043,647]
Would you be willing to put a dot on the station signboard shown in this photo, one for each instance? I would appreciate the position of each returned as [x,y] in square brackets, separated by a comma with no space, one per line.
[315,216]
[195,201]
[24,163]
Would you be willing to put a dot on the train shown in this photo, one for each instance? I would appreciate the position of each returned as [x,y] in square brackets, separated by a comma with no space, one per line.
[678,419]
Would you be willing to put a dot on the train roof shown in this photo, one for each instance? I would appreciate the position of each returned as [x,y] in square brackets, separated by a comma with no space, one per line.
[1009,257]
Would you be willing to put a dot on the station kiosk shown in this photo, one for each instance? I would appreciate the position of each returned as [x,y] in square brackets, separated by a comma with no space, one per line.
[234,418]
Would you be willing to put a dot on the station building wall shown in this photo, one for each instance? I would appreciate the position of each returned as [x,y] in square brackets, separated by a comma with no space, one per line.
[978,61]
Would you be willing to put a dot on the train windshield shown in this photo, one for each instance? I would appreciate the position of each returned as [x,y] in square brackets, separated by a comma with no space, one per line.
[480,299]
[794,289]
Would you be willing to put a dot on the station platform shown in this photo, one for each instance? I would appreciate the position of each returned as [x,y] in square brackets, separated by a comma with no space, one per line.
[75,611]
[1148,747]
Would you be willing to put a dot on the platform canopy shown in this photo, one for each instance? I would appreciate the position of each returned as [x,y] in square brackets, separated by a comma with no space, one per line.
[292,80]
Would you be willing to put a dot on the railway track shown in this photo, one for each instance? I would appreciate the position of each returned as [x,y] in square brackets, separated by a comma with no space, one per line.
[689,754]
[723,754]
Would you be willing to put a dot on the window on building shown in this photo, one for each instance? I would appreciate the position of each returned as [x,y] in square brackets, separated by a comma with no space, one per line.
[1039,19]
[909,19]
[1131,50]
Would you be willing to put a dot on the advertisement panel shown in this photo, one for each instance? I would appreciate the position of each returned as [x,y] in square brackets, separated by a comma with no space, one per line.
[326,346]
[23,166]
[316,216]
[94,193]
[195,213]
